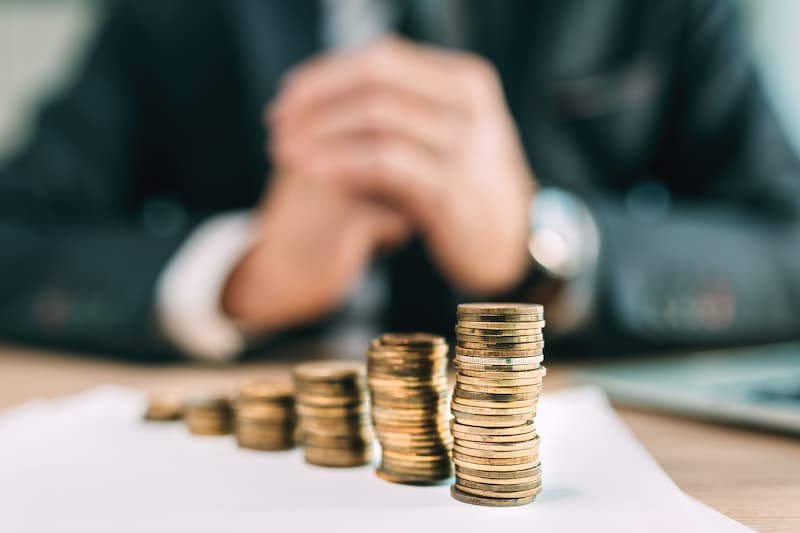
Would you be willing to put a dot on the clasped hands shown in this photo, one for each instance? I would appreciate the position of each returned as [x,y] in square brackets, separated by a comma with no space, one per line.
[371,147]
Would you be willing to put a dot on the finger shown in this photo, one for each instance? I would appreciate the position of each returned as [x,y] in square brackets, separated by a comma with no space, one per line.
[389,227]
[394,62]
[379,111]
[390,169]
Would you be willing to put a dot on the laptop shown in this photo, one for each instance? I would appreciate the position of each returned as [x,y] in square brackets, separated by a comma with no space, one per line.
[758,387]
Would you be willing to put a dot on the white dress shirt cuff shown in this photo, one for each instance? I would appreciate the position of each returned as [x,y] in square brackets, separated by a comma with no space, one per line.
[189,291]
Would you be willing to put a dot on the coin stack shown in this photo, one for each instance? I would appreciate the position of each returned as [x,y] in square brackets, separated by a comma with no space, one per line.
[209,415]
[332,405]
[163,408]
[499,350]
[407,375]
[264,416]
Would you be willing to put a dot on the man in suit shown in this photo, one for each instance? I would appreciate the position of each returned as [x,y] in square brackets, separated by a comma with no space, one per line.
[222,171]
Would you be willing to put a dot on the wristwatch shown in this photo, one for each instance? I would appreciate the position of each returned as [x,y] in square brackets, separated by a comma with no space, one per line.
[564,240]
[564,244]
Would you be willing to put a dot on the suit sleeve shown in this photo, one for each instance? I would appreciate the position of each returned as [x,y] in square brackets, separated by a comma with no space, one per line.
[82,247]
[720,263]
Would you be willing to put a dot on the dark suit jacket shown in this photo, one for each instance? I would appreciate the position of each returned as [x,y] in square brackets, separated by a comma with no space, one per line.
[650,111]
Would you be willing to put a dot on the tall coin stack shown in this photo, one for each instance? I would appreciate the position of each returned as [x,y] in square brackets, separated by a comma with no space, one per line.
[264,416]
[407,375]
[332,405]
[499,351]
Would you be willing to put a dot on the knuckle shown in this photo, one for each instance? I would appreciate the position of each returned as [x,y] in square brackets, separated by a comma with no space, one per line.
[478,73]
[372,63]
[382,161]
[373,109]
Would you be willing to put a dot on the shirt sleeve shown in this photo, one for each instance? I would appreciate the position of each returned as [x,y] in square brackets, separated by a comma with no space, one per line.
[189,290]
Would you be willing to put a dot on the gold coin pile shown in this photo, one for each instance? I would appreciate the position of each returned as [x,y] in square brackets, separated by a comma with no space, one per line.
[407,375]
[499,351]
[332,405]
[208,415]
[264,416]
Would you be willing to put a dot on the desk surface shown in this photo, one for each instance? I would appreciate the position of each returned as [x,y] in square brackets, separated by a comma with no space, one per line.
[751,477]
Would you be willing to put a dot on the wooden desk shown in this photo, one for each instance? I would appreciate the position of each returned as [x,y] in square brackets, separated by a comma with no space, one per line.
[751,477]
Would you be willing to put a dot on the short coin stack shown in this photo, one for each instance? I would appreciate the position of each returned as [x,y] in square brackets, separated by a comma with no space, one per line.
[208,415]
[162,407]
[407,375]
[499,351]
[332,405]
[264,416]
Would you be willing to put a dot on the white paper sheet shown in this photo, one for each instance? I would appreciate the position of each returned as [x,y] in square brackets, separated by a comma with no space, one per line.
[89,463]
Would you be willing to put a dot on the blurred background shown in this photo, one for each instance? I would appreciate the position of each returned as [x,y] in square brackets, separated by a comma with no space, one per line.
[41,40]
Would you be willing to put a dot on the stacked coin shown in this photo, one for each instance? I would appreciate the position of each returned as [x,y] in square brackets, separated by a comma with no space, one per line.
[163,407]
[332,405]
[208,415]
[264,414]
[499,351]
[407,375]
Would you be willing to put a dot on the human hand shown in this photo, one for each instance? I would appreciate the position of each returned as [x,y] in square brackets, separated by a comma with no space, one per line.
[313,244]
[425,130]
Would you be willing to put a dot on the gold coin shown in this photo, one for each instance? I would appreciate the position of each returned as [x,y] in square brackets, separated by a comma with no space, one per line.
[329,370]
[495,461]
[493,367]
[522,389]
[500,494]
[459,351]
[411,339]
[412,479]
[462,481]
[493,397]
[523,427]
[331,401]
[331,412]
[526,465]
[470,317]
[376,346]
[489,502]
[498,475]
[513,382]
[267,391]
[432,381]
[494,404]
[473,454]
[411,458]
[517,343]
[398,463]
[491,420]
[464,436]
[209,401]
[533,361]
[493,326]
[499,345]
[163,408]
[493,410]
[326,458]
[499,333]
[501,308]
[522,342]
[487,374]
[531,443]
[437,470]
[512,482]
[515,337]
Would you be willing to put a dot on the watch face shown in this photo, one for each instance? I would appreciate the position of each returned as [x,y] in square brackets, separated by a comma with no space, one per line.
[564,239]
[552,252]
